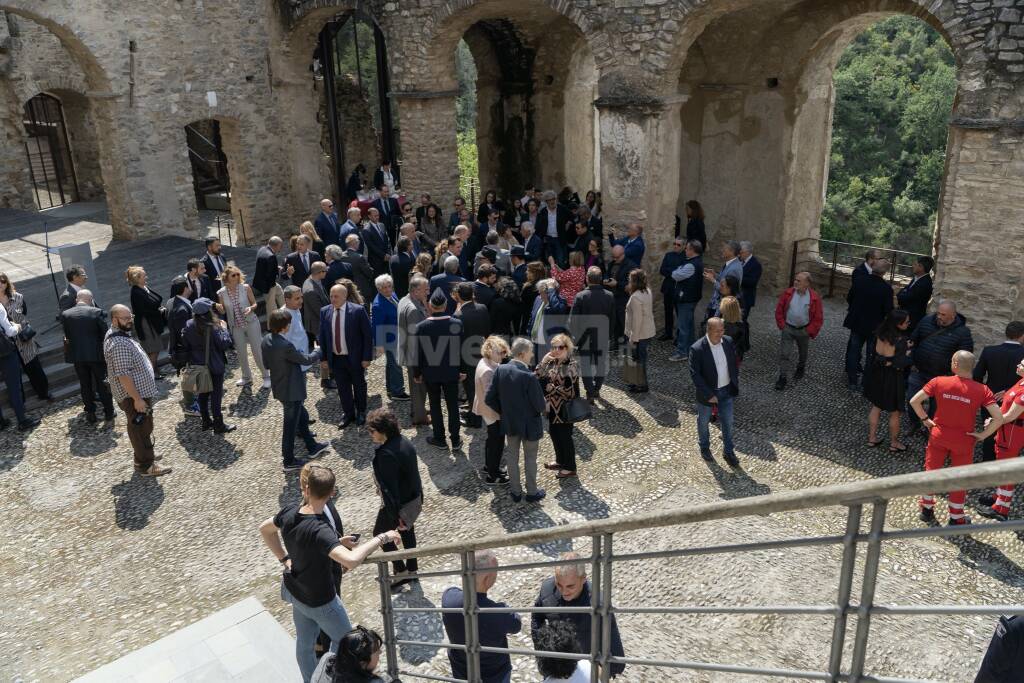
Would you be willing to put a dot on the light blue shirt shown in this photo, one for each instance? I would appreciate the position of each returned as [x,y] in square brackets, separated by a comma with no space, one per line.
[296,335]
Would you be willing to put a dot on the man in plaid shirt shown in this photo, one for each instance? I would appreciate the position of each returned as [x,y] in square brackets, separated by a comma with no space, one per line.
[130,375]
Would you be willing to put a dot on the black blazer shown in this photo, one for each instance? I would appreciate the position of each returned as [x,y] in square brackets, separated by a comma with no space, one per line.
[204,288]
[68,297]
[401,266]
[751,276]
[704,372]
[591,320]
[84,328]
[267,271]
[438,350]
[146,305]
[396,469]
[211,272]
[914,299]
[476,326]
[378,247]
[997,366]
[870,300]
[562,218]
[181,313]
[300,273]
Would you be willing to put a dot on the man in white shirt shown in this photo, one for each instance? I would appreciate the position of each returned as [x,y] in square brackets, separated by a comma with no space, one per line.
[715,376]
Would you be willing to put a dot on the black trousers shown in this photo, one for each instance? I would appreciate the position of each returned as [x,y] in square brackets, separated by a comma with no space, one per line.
[620,321]
[988,449]
[494,448]
[469,387]
[92,380]
[211,403]
[565,447]
[387,522]
[670,314]
[450,392]
[37,377]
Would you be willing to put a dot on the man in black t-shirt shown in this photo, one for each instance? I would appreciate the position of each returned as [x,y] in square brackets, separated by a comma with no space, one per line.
[311,547]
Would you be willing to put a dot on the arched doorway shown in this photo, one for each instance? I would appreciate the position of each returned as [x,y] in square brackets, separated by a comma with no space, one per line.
[210,177]
[48,153]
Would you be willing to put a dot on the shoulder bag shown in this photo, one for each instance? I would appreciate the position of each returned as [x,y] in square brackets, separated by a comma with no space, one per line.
[577,409]
[196,379]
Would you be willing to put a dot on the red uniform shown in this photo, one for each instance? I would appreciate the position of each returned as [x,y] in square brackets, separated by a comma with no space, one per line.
[1009,442]
[957,401]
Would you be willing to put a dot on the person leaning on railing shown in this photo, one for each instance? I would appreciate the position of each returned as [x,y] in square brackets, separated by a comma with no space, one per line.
[310,545]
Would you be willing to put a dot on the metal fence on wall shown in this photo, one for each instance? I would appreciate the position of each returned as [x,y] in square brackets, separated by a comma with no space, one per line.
[843,664]
[812,253]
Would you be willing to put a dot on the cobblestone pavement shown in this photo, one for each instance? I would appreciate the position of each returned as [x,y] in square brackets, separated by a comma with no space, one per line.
[96,562]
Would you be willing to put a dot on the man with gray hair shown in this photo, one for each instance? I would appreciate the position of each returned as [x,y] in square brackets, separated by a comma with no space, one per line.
[493,627]
[552,227]
[267,274]
[935,339]
[731,266]
[412,310]
[447,280]
[751,276]
[362,273]
[533,246]
[569,587]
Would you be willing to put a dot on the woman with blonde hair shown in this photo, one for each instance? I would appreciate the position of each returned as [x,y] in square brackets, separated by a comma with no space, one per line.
[559,375]
[238,304]
[307,228]
[147,307]
[424,264]
[639,327]
[735,328]
[493,351]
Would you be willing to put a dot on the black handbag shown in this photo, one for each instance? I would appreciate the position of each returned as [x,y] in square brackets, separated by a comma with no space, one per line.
[577,410]
[26,333]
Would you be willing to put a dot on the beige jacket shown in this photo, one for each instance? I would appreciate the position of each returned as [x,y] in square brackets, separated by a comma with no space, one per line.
[482,379]
[640,316]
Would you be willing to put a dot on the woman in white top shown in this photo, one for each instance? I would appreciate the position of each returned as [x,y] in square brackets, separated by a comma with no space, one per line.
[493,351]
[559,635]
[639,327]
[238,305]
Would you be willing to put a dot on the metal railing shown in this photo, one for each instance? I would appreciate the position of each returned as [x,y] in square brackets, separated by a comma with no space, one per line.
[813,253]
[469,189]
[854,496]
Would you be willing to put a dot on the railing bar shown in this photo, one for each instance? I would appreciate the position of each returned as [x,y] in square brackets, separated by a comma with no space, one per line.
[736,548]
[767,609]
[886,679]
[846,567]
[470,620]
[534,653]
[595,602]
[606,603]
[431,677]
[387,612]
[429,575]
[960,530]
[867,590]
[726,668]
[536,565]
[497,610]
[421,643]
[947,609]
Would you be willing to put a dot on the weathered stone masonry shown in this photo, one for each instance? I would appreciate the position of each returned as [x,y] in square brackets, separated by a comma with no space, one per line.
[655,101]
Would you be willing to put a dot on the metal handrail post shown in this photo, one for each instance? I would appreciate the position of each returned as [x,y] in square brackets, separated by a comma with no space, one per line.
[792,262]
[469,615]
[832,273]
[606,603]
[867,591]
[835,658]
[595,602]
[386,610]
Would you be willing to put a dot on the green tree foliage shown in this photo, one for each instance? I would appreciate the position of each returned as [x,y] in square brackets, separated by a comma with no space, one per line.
[894,95]
[465,116]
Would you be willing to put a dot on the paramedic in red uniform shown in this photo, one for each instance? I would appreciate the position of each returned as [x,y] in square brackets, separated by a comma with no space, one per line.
[1009,442]
[951,433]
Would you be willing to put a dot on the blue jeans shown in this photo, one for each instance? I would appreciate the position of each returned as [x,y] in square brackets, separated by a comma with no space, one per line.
[724,420]
[296,423]
[393,379]
[640,356]
[10,370]
[684,326]
[854,349]
[331,618]
[915,383]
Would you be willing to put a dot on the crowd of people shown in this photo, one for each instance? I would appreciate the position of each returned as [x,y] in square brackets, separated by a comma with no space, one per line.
[494,320]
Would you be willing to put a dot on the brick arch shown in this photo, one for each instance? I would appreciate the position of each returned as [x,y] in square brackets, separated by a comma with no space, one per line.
[50,82]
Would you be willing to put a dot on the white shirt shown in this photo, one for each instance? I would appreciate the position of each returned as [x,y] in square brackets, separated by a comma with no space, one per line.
[721,364]
[218,265]
[6,325]
[552,223]
[799,312]
[580,675]
[296,335]
[340,348]
[389,179]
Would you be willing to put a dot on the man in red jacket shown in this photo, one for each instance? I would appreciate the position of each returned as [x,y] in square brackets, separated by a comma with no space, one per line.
[799,317]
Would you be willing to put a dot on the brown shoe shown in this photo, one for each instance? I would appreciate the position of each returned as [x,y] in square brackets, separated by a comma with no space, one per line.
[155,471]
[552,466]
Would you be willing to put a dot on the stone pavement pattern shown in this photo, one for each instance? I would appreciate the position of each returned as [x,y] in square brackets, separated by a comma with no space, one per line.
[97,562]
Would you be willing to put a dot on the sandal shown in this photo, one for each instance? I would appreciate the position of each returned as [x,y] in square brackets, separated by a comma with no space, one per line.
[875,444]
[552,466]
[565,474]
[897,449]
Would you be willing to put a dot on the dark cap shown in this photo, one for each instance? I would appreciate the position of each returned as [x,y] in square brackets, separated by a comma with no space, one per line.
[438,299]
[518,250]
[490,253]
[202,306]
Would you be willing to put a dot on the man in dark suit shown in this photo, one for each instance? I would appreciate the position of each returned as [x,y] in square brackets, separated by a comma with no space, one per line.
[412,310]
[327,224]
[84,329]
[337,267]
[868,302]
[288,384]
[618,271]
[446,280]
[76,278]
[483,286]
[864,268]
[518,257]
[533,246]
[633,243]
[362,273]
[997,369]
[301,259]
[180,305]
[214,263]
[717,381]
[476,326]
[377,243]
[914,297]
[553,228]
[267,273]
[352,226]
[515,394]
[401,265]
[390,213]
[314,298]
[590,324]
[200,286]
[439,366]
[347,346]
[751,276]
[669,262]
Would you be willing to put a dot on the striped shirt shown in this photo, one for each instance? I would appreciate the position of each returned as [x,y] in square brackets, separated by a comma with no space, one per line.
[125,358]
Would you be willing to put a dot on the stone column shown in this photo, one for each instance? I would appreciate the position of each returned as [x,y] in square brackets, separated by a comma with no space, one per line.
[640,170]
[981,227]
[428,150]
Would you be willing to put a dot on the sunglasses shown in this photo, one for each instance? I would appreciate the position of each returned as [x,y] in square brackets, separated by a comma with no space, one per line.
[560,347]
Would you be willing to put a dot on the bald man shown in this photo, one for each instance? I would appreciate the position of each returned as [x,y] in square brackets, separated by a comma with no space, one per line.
[957,399]
[347,346]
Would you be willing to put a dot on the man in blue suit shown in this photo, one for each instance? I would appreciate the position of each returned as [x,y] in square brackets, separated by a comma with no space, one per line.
[351,227]
[327,223]
[390,213]
[717,381]
[438,342]
[377,243]
[632,243]
[751,276]
[447,279]
[347,345]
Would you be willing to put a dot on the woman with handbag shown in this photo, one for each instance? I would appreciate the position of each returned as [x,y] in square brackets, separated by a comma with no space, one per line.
[28,348]
[238,304]
[147,307]
[397,474]
[559,375]
[639,327]
[10,372]
[206,339]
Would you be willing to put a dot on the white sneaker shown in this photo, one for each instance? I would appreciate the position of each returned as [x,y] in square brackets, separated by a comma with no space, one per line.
[243,382]
[677,357]
[266,382]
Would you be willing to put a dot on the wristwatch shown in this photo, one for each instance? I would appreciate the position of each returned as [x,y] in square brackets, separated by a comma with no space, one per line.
[285,559]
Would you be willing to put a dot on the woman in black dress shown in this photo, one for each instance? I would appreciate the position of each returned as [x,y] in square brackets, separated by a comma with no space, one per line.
[885,385]
[506,309]
[695,224]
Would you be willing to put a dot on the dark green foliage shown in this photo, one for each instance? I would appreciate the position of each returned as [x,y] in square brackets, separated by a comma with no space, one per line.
[894,95]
